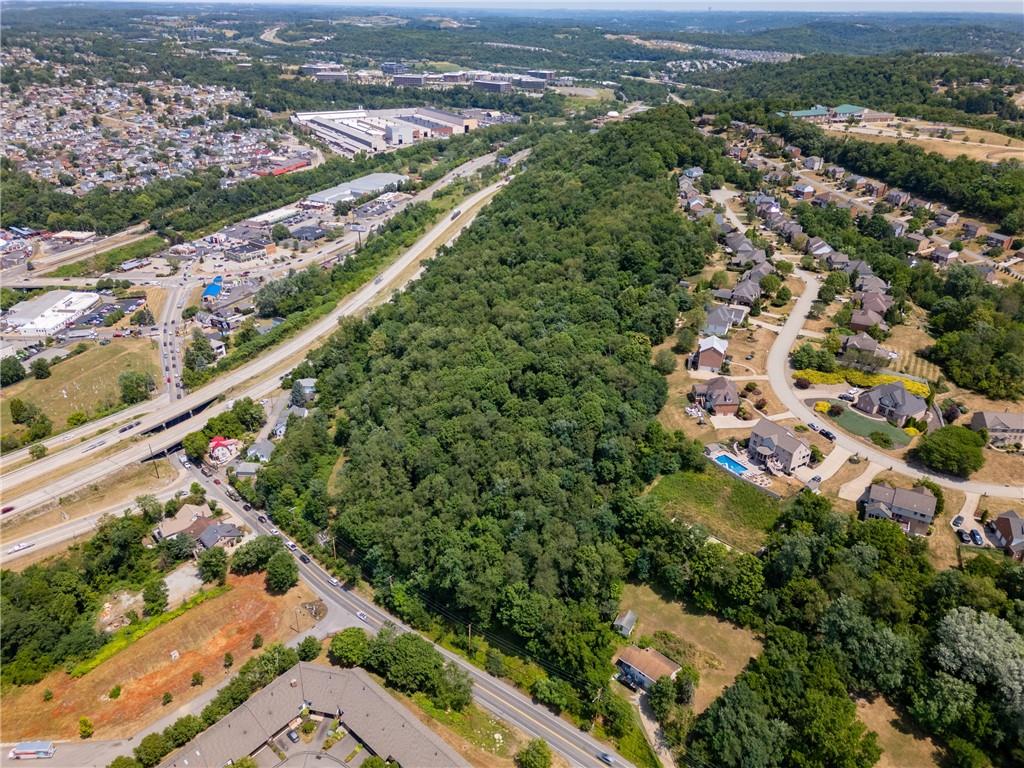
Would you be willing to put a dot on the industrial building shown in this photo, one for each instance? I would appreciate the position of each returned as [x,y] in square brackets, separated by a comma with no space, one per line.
[50,313]
[371,184]
[353,131]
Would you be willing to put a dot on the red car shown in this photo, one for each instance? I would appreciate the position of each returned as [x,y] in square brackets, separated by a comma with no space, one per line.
[216,481]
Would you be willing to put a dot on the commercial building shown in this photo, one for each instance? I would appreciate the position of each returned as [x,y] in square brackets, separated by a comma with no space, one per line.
[542,74]
[372,721]
[493,86]
[50,313]
[371,184]
[354,131]
[393,68]
[410,80]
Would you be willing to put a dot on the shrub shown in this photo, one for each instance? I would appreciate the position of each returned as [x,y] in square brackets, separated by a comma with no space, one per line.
[167,698]
[858,379]
[114,692]
[802,382]
[257,640]
[912,431]
[197,678]
[229,660]
[308,726]
[835,410]
[881,439]
[821,406]
[85,728]
[47,695]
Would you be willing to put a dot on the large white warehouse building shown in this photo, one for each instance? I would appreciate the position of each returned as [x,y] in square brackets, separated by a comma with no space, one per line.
[50,313]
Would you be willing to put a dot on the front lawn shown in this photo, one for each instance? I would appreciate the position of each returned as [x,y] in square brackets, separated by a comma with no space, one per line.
[858,424]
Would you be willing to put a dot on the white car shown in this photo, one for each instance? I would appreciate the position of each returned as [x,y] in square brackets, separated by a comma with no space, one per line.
[362,616]
[20,547]
[274,531]
[334,582]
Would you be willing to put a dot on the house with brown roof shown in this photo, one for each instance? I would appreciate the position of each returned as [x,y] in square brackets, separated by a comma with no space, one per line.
[866,319]
[1010,534]
[644,666]
[912,509]
[717,395]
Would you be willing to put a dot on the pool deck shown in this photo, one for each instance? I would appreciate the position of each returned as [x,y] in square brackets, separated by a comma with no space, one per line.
[750,474]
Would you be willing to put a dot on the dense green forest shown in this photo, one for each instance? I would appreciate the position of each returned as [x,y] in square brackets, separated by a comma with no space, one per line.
[497,425]
[901,83]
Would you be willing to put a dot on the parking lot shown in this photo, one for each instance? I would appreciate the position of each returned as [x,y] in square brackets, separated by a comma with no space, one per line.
[295,754]
[99,315]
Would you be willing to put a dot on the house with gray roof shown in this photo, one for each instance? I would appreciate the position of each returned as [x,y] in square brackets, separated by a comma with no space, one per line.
[261,451]
[1004,428]
[1010,534]
[282,422]
[721,319]
[872,301]
[777,448]
[625,623]
[376,723]
[866,319]
[746,292]
[893,402]
[220,535]
[912,509]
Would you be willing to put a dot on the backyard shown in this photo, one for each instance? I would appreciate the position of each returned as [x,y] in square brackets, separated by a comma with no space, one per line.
[74,386]
[720,650]
[731,510]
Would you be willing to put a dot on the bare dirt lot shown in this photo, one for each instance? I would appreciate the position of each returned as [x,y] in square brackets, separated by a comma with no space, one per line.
[145,670]
[975,143]
[722,649]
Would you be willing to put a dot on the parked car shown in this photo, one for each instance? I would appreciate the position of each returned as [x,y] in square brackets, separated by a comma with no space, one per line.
[847,397]
[958,521]
[828,435]
[976,538]
[248,508]
[293,737]
[814,427]
[334,582]
[964,537]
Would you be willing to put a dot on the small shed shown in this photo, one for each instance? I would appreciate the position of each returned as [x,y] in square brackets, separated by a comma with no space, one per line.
[625,623]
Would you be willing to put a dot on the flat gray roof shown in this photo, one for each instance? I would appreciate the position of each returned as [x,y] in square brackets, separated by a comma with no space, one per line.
[364,185]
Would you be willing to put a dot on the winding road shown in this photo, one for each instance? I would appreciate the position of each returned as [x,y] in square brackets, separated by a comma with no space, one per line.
[779,374]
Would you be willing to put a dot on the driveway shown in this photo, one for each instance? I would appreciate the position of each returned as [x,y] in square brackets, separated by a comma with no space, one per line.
[779,373]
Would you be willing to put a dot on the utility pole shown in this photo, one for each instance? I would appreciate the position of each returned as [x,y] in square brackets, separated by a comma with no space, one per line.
[470,643]
[156,467]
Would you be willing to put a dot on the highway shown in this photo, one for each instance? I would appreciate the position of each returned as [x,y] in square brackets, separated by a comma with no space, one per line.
[264,373]
[779,375]
[178,287]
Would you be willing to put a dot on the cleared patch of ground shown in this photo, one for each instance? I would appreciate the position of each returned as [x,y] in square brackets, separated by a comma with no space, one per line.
[74,386]
[906,340]
[146,670]
[745,341]
[902,744]
[976,144]
[731,510]
[722,649]
[1001,467]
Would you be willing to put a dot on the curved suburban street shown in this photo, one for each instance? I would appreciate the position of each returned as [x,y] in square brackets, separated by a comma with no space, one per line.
[779,375]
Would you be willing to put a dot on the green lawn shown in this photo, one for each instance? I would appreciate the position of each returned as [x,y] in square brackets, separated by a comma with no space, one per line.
[730,509]
[859,424]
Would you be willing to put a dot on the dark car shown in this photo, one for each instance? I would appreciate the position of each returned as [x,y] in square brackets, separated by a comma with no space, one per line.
[964,537]
[261,518]
[8,508]
[293,737]
[304,557]
[958,521]
[828,435]
[248,508]
[976,538]
[846,396]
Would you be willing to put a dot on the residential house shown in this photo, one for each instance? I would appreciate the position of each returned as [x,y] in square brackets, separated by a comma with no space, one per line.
[857,267]
[862,350]
[717,395]
[1004,428]
[835,172]
[792,150]
[748,256]
[693,173]
[803,191]
[625,623]
[898,227]
[944,256]
[945,217]
[875,188]
[247,468]
[777,448]
[1010,534]
[876,302]
[913,509]
[282,422]
[897,198]
[746,292]
[866,319]
[222,449]
[870,284]
[919,203]
[721,319]
[973,229]
[893,402]
[818,247]
[837,260]
[996,240]
[813,163]
[220,535]
[644,666]
[169,527]
[711,353]
[308,388]
[918,243]
[261,451]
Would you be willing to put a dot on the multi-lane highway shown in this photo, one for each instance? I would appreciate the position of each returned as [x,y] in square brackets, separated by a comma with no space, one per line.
[73,467]
[178,287]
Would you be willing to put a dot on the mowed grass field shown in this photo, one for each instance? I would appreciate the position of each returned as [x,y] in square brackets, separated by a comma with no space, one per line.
[85,382]
[975,143]
[721,649]
[145,670]
[906,340]
[902,745]
[729,509]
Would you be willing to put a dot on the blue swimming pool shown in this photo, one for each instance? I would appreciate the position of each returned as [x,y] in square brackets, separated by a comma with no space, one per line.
[730,463]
